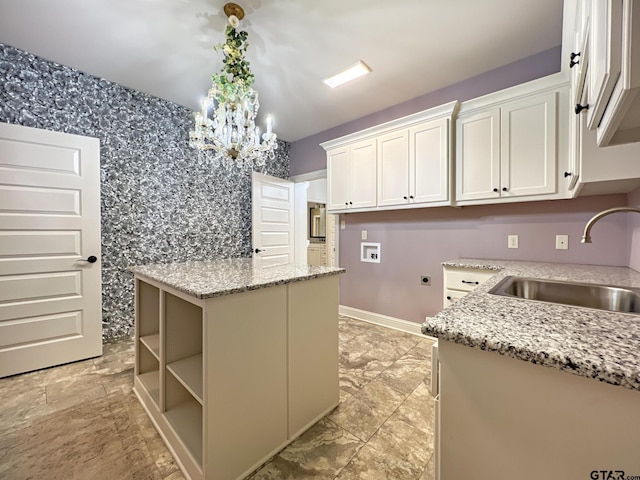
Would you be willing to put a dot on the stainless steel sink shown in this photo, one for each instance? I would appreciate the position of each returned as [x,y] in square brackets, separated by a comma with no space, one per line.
[587,295]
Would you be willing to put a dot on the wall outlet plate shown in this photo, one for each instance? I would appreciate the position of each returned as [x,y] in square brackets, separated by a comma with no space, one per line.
[425,280]
[512,241]
[562,242]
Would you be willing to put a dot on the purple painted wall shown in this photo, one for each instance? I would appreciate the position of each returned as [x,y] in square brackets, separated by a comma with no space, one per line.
[633,227]
[415,242]
[306,155]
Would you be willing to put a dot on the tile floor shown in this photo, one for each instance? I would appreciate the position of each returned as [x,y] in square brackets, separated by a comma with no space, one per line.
[82,421]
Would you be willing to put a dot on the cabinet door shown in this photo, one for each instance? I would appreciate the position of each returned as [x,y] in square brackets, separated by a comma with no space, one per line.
[429,162]
[605,55]
[528,152]
[478,156]
[393,168]
[362,178]
[338,178]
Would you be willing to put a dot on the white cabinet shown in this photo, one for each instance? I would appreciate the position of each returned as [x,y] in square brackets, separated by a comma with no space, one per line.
[594,170]
[413,165]
[508,151]
[616,71]
[317,254]
[478,156]
[393,168]
[411,159]
[351,176]
[459,281]
[430,162]
[229,381]
[605,32]
[607,45]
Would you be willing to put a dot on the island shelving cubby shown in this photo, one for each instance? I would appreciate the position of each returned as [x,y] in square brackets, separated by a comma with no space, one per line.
[231,374]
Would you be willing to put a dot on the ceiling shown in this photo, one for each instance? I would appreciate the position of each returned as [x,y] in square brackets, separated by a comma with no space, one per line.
[164,47]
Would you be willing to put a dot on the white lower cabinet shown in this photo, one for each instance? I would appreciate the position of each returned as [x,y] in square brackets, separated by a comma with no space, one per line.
[229,381]
[317,254]
[502,418]
[459,281]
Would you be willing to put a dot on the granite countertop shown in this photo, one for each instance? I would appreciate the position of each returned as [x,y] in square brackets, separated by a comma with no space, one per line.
[591,343]
[215,278]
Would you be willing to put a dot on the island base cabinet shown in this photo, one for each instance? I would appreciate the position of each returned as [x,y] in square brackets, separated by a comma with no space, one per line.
[245,361]
[230,380]
[502,418]
[313,352]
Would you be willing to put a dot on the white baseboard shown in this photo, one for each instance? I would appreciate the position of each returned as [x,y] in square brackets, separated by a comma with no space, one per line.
[382,320]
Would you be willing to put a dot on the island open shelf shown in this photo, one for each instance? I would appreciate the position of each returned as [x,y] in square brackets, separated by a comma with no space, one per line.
[230,378]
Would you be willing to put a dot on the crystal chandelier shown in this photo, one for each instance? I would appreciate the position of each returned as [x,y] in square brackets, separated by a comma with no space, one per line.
[232,131]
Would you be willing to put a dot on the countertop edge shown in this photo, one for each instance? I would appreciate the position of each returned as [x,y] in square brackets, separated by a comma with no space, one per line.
[204,295]
[610,371]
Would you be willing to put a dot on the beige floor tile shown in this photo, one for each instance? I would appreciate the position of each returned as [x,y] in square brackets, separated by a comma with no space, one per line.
[368,464]
[319,453]
[429,471]
[418,409]
[89,424]
[118,347]
[403,442]
[366,411]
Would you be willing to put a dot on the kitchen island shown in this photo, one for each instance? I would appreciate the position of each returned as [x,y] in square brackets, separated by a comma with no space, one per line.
[537,390]
[234,361]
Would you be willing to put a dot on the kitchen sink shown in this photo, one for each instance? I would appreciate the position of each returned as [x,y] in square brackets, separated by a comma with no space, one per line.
[587,295]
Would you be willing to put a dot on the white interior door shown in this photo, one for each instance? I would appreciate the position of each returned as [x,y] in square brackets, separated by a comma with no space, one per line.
[273,210]
[50,295]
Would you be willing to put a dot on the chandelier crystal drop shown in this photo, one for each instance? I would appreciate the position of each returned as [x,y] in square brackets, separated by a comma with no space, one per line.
[232,131]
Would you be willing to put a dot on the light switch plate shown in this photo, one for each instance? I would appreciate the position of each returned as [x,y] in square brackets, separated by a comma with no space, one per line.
[364,234]
[343,224]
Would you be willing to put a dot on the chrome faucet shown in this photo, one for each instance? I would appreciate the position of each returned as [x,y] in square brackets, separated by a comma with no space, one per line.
[586,237]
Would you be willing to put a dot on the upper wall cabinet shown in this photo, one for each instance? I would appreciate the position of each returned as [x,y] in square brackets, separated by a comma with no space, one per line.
[351,176]
[511,146]
[413,164]
[405,163]
[595,76]
[607,48]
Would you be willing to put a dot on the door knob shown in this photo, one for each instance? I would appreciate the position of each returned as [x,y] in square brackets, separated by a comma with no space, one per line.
[257,250]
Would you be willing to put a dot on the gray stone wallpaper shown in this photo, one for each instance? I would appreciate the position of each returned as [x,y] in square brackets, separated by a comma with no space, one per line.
[161,200]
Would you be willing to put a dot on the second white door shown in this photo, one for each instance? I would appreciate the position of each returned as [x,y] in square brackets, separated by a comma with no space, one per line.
[272,214]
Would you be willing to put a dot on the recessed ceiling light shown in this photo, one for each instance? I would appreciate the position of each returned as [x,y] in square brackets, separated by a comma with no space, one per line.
[356,70]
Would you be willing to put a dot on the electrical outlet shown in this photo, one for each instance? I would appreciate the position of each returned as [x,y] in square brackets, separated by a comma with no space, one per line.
[562,242]
[425,280]
[343,224]
[364,234]
[512,241]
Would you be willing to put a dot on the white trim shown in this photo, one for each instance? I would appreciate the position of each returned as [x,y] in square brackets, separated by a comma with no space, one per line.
[383,320]
[550,83]
[307,177]
[442,111]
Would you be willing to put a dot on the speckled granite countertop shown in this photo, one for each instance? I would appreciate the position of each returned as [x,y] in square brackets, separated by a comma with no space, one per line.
[591,343]
[207,279]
